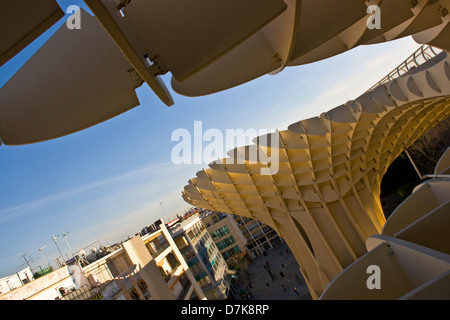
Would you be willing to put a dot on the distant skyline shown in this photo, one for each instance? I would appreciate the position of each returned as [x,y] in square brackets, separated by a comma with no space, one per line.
[106,182]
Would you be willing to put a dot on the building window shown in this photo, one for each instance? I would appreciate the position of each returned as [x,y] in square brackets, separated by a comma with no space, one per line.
[225,242]
[220,232]
[143,287]
[196,230]
[204,282]
[231,252]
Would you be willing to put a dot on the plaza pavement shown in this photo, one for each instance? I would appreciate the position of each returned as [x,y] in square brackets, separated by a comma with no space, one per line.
[263,287]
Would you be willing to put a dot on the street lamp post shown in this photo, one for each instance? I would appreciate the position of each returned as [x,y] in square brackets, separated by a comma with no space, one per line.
[54,238]
[65,234]
[42,256]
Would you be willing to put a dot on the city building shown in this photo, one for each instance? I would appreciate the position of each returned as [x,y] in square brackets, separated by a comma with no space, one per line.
[148,267]
[54,285]
[239,239]
[202,256]
[235,235]
[142,268]
[225,233]
[259,236]
[172,265]
[16,280]
[122,276]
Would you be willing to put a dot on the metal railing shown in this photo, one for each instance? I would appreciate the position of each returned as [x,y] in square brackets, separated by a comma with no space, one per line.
[420,56]
[84,293]
[160,249]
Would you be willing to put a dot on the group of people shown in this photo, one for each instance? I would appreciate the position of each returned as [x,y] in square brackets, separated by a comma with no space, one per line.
[281,273]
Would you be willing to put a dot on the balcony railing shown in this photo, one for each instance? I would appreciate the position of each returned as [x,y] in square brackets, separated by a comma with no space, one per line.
[155,253]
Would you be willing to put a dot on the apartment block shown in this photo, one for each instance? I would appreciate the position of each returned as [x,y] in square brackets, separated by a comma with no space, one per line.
[259,236]
[226,234]
[234,234]
[142,268]
[16,280]
[147,268]
[52,286]
[202,256]
[179,261]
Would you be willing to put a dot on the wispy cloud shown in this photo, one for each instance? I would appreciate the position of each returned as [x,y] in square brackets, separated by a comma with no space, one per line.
[129,221]
[11,213]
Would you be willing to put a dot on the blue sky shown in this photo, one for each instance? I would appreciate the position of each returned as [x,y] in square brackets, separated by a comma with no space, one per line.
[106,182]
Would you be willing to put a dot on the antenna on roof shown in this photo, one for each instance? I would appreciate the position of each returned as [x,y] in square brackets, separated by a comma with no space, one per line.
[165,213]
[27,261]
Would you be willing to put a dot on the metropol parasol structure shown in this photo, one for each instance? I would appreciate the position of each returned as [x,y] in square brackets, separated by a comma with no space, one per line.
[316,183]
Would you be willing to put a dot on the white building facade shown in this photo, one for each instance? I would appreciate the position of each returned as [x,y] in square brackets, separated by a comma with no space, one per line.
[16,280]
[203,257]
